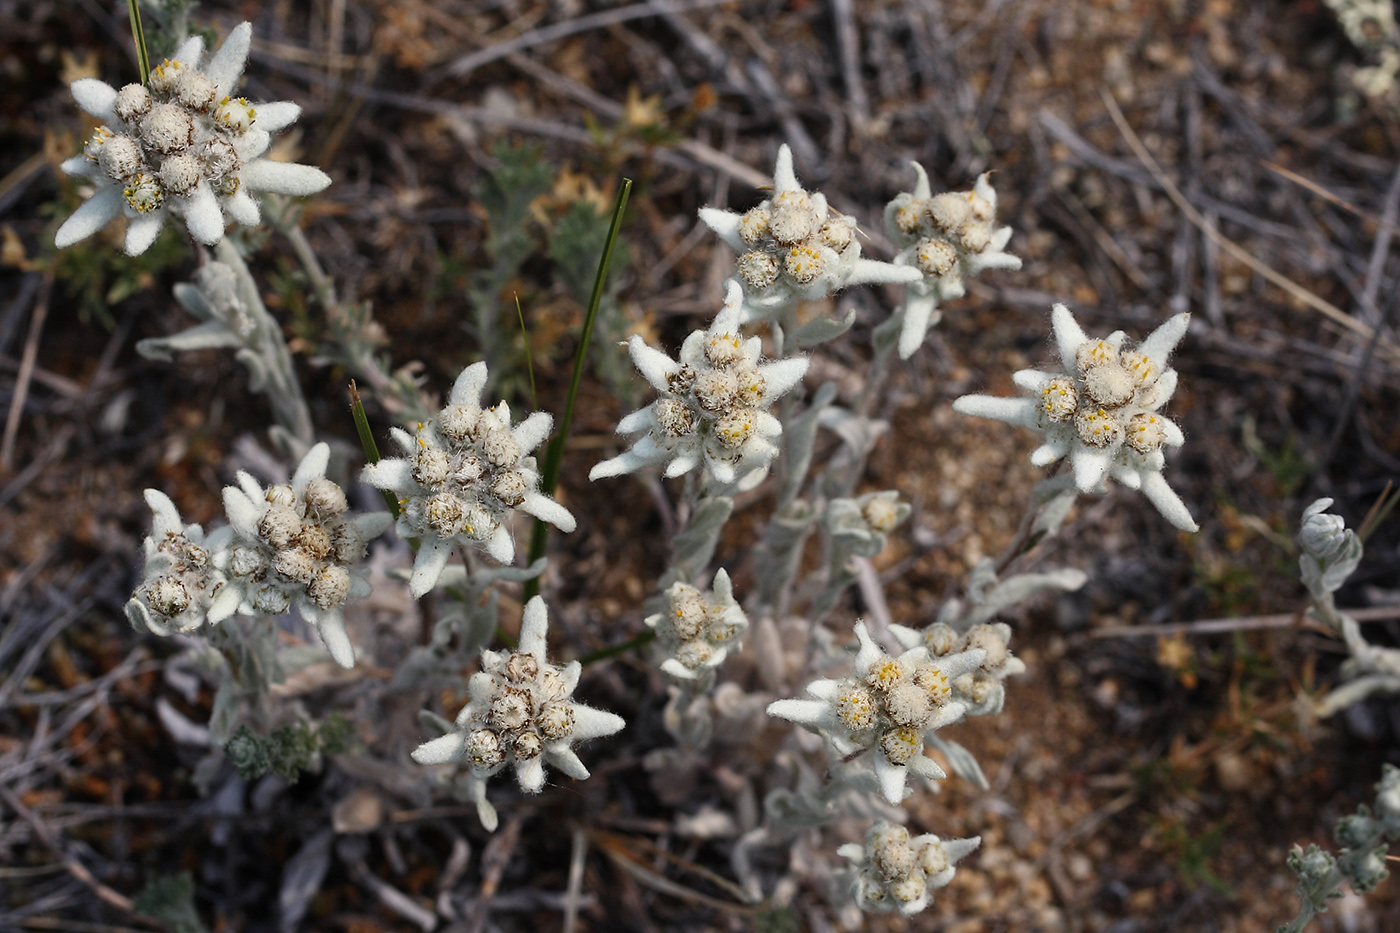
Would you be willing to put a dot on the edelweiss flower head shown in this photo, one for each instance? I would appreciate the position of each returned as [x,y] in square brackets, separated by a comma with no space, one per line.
[182,146]
[866,521]
[520,715]
[949,238]
[464,475]
[296,545]
[895,872]
[886,705]
[184,586]
[699,629]
[1102,408]
[713,406]
[793,248]
[980,690]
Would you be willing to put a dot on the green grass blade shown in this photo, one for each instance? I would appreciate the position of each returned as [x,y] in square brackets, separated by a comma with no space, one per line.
[143,57]
[554,452]
[357,408]
[529,355]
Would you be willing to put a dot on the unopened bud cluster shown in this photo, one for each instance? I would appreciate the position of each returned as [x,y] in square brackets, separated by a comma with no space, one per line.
[304,547]
[886,705]
[982,689]
[520,715]
[893,871]
[713,402]
[699,629]
[464,475]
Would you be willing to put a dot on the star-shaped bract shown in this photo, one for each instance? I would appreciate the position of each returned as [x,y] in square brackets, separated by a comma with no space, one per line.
[885,706]
[792,248]
[181,145]
[1101,409]
[521,716]
[464,475]
[297,546]
[183,586]
[698,630]
[949,238]
[894,872]
[713,405]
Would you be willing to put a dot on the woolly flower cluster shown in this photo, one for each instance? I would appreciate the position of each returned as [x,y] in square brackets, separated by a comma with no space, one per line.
[698,630]
[464,475]
[520,715]
[713,405]
[981,689]
[794,248]
[183,587]
[949,238]
[1102,408]
[289,544]
[182,145]
[893,871]
[886,705]
[295,544]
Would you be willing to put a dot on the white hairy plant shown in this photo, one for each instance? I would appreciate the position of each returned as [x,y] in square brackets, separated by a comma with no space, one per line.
[184,586]
[713,404]
[699,630]
[884,708]
[948,238]
[1102,408]
[793,248]
[893,871]
[465,473]
[296,545]
[182,146]
[521,715]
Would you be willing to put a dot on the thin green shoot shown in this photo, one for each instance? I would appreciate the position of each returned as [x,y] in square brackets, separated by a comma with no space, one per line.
[357,408]
[143,57]
[554,451]
[529,353]
[612,651]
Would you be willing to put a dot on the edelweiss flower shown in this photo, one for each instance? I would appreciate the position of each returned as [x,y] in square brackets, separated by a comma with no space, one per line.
[948,238]
[181,145]
[886,705]
[980,690]
[713,406]
[894,872]
[793,248]
[184,586]
[699,630]
[466,474]
[296,545]
[520,715]
[1101,408]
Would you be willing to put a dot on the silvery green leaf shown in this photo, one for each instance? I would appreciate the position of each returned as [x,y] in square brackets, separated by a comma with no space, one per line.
[1015,589]
[1058,493]
[223,718]
[301,879]
[858,432]
[801,433]
[435,723]
[694,547]
[192,300]
[982,578]
[455,575]
[885,337]
[962,761]
[211,335]
[257,369]
[292,659]
[1356,690]
[821,330]
[780,553]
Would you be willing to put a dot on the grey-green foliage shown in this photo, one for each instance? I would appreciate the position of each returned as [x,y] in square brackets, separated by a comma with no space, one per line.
[465,624]
[288,750]
[576,245]
[851,534]
[1363,838]
[169,900]
[1330,552]
[506,194]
